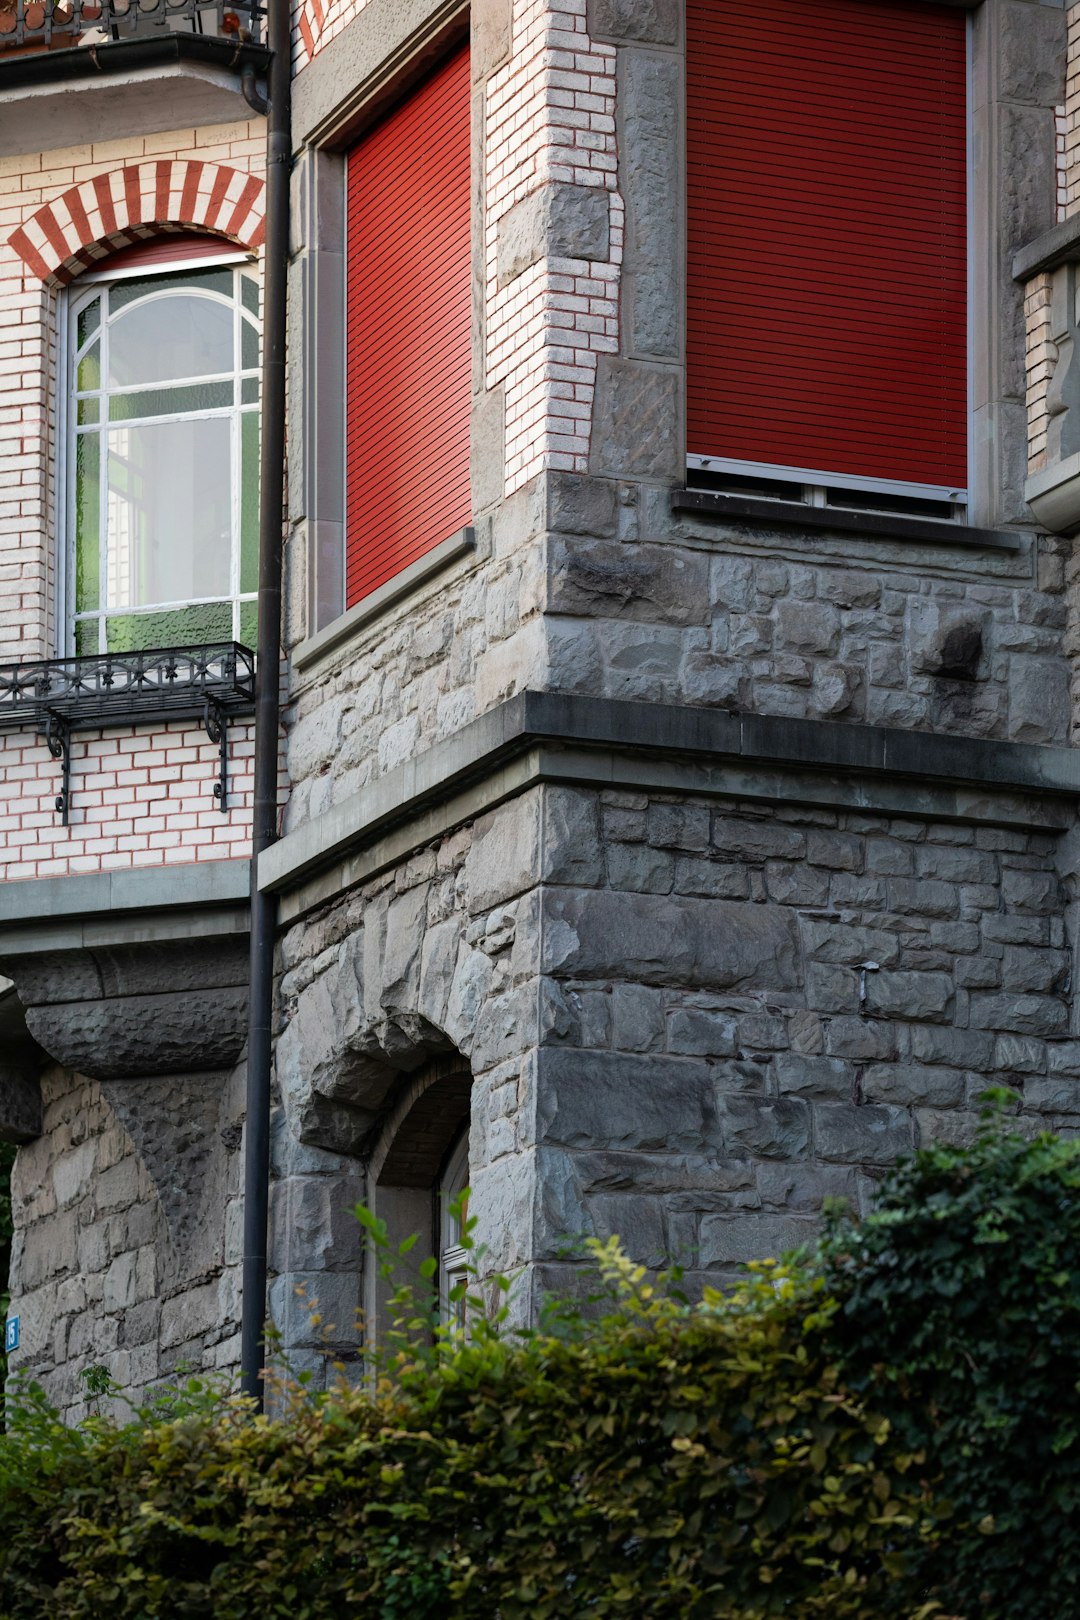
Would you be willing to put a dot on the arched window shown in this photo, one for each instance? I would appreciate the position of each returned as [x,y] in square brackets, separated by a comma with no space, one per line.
[163,457]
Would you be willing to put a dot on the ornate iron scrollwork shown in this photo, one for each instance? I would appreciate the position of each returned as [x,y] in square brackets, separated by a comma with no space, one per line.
[54,22]
[58,742]
[211,684]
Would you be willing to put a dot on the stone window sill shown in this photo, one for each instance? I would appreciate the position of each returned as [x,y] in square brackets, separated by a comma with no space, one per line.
[329,640]
[838,520]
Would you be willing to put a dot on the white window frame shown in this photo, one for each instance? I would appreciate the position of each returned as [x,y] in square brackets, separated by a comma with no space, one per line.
[80,293]
[453,1256]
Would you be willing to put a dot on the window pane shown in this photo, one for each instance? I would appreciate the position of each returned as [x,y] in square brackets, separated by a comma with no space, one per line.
[208,621]
[249,292]
[87,637]
[87,524]
[165,338]
[170,401]
[249,624]
[169,513]
[218,280]
[88,376]
[88,411]
[89,321]
[249,347]
[249,390]
[249,502]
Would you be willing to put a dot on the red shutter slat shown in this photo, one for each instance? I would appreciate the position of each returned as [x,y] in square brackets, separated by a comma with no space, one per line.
[827,276]
[408,331]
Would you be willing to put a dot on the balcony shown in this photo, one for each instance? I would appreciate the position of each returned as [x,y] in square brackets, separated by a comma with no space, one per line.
[211,684]
[76,71]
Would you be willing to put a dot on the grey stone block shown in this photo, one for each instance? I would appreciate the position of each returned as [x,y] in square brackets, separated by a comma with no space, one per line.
[1020,1055]
[1021,1015]
[813,1077]
[488,448]
[846,943]
[615,1100]
[1033,893]
[649,584]
[732,1240]
[655,22]
[504,858]
[963,1048]
[637,1018]
[808,627]
[908,1083]
[650,164]
[1027,969]
[909,995]
[756,840]
[803,1186]
[831,989]
[1057,1095]
[1063,1057]
[680,941]
[860,1038]
[699,1032]
[579,505]
[556,220]
[862,1134]
[636,419]
[764,1128]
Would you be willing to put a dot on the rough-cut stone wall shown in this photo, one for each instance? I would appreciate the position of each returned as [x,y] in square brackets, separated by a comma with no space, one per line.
[423,669]
[773,623]
[128,1231]
[688,1020]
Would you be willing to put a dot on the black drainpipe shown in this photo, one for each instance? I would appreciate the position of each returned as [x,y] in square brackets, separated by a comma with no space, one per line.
[267,695]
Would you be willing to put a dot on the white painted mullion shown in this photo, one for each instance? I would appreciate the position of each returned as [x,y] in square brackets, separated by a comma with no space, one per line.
[103,476]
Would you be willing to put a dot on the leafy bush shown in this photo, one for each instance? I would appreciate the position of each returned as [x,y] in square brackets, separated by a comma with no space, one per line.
[960,1321]
[887,1428]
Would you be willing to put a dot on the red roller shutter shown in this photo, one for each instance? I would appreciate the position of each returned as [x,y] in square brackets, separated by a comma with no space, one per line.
[827,182]
[408,326]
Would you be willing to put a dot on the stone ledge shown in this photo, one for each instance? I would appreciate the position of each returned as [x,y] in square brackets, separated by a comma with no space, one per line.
[705,503]
[1059,245]
[549,736]
[195,899]
[333,637]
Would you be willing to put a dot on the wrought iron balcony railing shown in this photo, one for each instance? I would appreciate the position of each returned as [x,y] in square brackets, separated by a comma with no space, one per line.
[57,696]
[54,24]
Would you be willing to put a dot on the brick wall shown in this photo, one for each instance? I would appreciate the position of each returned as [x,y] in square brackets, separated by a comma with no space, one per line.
[550,117]
[139,797]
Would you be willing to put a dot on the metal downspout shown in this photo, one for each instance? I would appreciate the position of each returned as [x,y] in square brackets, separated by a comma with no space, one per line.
[267,700]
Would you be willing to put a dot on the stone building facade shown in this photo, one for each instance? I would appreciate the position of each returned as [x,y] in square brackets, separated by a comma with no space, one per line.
[694,850]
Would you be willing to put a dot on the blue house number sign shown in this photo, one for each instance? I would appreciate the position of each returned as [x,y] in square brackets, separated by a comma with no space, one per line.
[11,1333]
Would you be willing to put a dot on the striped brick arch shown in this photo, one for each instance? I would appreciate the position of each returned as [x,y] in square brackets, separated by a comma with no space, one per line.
[112,209]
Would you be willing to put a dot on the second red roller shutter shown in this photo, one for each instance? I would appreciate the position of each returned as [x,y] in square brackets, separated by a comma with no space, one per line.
[827,182]
[408,331]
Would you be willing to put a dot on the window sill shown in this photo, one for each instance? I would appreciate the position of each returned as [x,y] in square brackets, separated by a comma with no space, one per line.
[324,642]
[837,520]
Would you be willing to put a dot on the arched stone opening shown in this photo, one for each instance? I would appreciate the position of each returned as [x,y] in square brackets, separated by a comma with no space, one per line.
[420,1140]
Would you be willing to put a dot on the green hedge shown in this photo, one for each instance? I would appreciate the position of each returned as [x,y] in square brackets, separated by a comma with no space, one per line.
[888,1427]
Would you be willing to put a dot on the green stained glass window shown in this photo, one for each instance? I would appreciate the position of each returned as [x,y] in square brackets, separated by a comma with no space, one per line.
[165,474]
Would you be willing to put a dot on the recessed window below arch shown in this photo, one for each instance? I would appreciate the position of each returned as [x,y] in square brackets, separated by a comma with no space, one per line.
[418,1176]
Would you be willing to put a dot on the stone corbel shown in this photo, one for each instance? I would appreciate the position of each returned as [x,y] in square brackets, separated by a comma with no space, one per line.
[1053,492]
